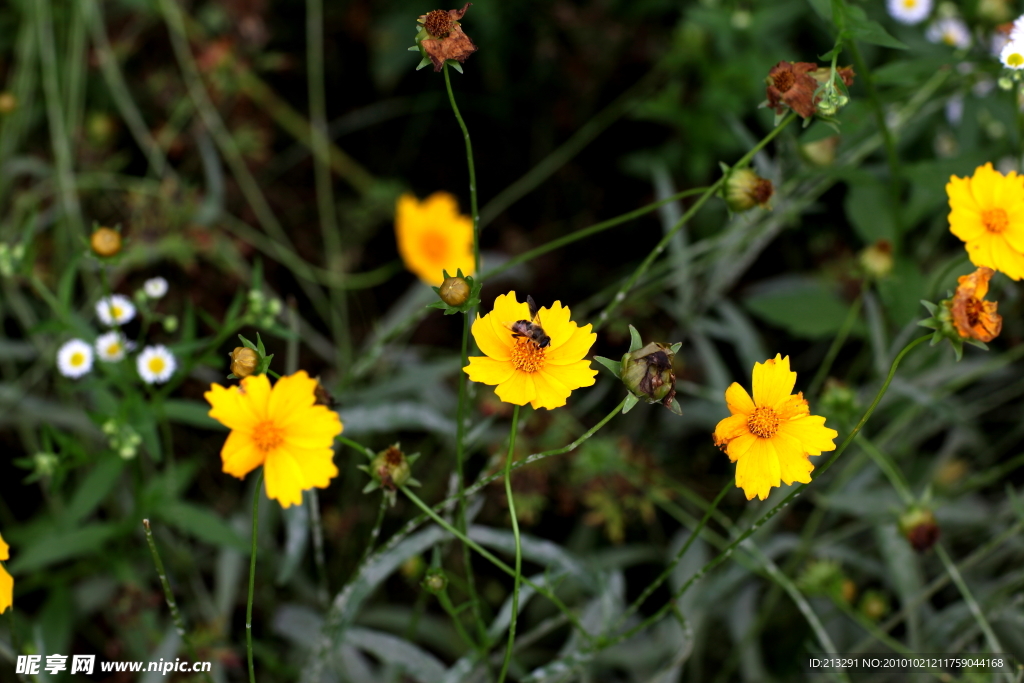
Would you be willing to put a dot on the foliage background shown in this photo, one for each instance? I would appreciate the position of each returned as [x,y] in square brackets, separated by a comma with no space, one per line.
[579,112]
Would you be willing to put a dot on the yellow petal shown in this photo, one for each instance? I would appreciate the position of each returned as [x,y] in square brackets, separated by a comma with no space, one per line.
[811,432]
[556,324]
[983,184]
[6,590]
[495,345]
[966,225]
[1008,261]
[442,205]
[240,456]
[551,393]
[5,551]
[793,462]
[572,349]
[290,471]
[312,427]
[507,310]
[232,408]
[960,197]
[573,375]
[757,471]
[291,393]
[738,400]
[730,428]
[488,371]
[256,390]
[518,389]
[773,381]
[739,446]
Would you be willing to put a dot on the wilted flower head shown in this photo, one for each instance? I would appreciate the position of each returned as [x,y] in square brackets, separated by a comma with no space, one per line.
[744,190]
[919,526]
[444,38]
[972,316]
[795,85]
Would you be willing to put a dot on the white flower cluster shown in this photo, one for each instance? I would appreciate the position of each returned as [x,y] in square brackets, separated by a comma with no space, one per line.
[1012,54]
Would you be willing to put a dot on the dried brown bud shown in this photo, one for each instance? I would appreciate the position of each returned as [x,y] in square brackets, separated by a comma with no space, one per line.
[391,468]
[745,189]
[974,317]
[877,259]
[244,361]
[920,528]
[793,85]
[447,39]
[105,242]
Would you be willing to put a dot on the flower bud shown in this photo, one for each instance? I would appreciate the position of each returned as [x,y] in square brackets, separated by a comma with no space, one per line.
[8,102]
[391,468]
[647,373]
[744,190]
[435,581]
[874,605]
[454,291]
[170,323]
[877,259]
[919,526]
[849,591]
[243,361]
[45,464]
[105,242]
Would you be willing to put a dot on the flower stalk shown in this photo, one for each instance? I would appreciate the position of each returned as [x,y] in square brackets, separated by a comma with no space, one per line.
[519,548]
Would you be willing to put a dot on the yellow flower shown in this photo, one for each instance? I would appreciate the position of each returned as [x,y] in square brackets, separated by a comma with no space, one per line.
[525,371]
[987,212]
[433,236]
[6,582]
[770,437]
[279,428]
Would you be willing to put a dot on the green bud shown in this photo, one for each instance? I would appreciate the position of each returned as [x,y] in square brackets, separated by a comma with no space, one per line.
[874,605]
[171,323]
[391,468]
[919,526]
[648,374]
[46,464]
[822,577]
[435,581]
[744,190]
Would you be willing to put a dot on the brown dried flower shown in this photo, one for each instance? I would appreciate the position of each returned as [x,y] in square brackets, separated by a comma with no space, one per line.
[793,85]
[973,317]
[447,40]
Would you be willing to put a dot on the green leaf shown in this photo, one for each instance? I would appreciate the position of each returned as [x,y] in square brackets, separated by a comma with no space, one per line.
[859,27]
[202,524]
[93,489]
[634,339]
[60,546]
[805,307]
[869,207]
[191,413]
[613,365]
[631,401]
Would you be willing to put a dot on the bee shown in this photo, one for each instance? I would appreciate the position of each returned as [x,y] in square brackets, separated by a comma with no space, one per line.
[530,329]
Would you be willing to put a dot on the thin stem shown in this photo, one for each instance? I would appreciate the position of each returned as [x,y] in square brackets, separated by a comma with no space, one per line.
[620,296]
[252,576]
[460,455]
[446,603]
[519,549]
[316,528]
[721,557]
[495,561]
[375,532]
[473,207]
[888,467]
[972,604]
[179,623]
[837,344]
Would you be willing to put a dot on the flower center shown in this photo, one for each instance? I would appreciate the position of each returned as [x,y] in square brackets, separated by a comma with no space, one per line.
[995,220]
[157,365]
[763,422]
[267,436]
[115,312]
[434,245]
[77,358]
[910,4]
[527,356]
[783,81]
[1014,59]
[114,349]
[438,23]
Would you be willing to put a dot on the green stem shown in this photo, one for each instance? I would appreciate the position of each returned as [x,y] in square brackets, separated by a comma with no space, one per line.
[541,590]
[460,455]
[620,296]
[252,577]
[972,604]
[375,532]
[888,467]
[179,623]
[473,207]
[446,603]
[316,529]
[837,344]
[519,549]
[721,557]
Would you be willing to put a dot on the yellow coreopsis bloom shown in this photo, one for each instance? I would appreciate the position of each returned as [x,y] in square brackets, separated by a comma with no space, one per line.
[279,428]
[541,372]
[987,213]
[6,581]
[433,236]
[771,436]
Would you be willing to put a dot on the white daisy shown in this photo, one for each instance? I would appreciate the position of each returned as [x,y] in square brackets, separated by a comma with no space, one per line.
[155,287]
[156,364]
[909,11]
[1017,32]
[1012,55]
[116,309]
[110,347]
[74,358]
[951,31]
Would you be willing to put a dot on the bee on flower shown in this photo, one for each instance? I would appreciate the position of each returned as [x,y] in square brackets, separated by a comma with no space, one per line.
[156,364]
[116,309]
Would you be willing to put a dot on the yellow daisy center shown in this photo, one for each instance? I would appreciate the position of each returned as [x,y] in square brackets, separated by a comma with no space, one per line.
[763,422]
[156,365]
[77,358]
[527,356]
[433,245]
[995,220]
[114,349]
[267,436]
[115,312]
[1015,59]
[910,4]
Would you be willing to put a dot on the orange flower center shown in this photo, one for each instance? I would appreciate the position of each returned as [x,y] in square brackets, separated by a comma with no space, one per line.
[763,422]
[267,436]
[433,245]
[527,356]
[995,220]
